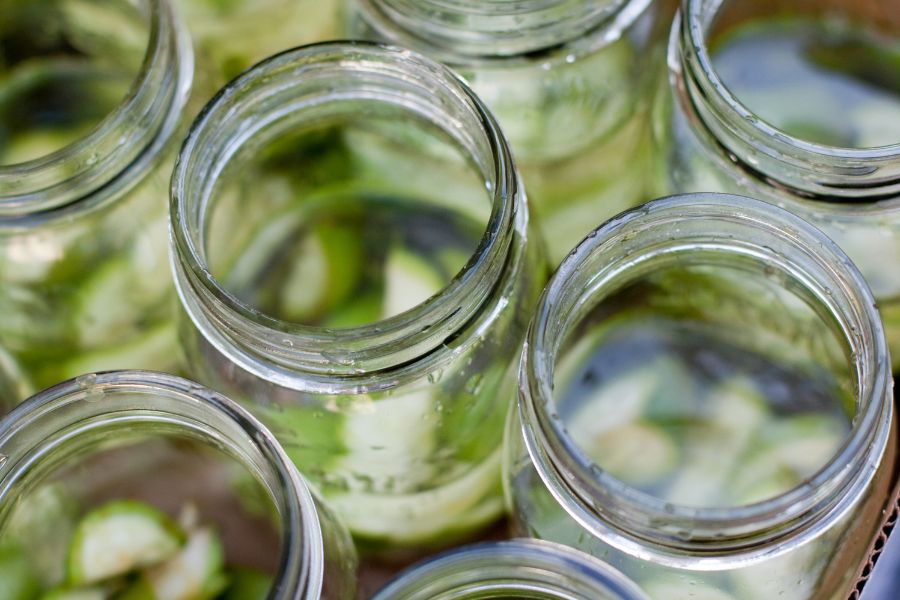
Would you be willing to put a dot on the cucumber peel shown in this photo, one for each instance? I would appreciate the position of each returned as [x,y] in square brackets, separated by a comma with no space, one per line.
[118,538]
[194,573]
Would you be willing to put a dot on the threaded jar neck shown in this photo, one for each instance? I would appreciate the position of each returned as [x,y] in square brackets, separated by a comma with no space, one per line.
[297,90]
[726,231]
[76,417]
[763,151]
[512,569]
[502,28]
[118,152]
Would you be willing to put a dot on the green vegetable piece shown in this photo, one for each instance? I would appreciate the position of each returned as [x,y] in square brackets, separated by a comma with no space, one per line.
[18,581]
[93,593]
[248,584]
[194,573]
[120,537]
[409,281]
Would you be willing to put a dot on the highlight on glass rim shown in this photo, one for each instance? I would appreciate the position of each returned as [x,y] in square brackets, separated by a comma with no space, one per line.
[445,299]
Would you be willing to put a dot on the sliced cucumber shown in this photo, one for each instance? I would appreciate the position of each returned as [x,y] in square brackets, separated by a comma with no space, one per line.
[248,584]
[409,281]
[18,581]
[94,593]
[120,537]
[462,506]
[636,453]
[194,573]
[329,266]
[690,587]
[389,441]
[156,350]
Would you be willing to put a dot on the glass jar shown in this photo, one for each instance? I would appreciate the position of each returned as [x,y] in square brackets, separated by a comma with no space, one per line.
[520,568]
[170,443]
[807,149]
[232,36]
[571,82]
[353,258]
[13,383]
[87,111]
[706,404]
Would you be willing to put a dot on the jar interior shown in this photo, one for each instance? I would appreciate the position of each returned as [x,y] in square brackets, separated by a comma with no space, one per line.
[200,487]
[345,219]
[823,72]
[65,65]
[706,379]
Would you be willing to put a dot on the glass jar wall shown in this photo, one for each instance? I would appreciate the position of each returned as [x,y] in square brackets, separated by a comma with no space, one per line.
[522,568]
[90,98]
[130,452]
[814,130]
[705,403]
[353,258]
[570,81]
[232,36]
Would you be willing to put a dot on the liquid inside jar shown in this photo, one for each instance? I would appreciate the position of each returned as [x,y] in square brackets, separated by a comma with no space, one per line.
[346,226]
[823,80]
[688,386]
[65,65]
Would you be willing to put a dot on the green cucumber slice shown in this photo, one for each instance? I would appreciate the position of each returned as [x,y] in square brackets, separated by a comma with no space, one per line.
[156,350]
[248,584]
[194,573]
[672,588]
[78,594]
[461,506]
[120,537]
[18,581]
[409,281]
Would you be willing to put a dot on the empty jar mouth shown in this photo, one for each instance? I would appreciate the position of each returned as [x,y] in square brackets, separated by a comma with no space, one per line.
[742,238]
[811,169]
[114,154]
[59,427]
[300,90]
[462,31]
[521,568]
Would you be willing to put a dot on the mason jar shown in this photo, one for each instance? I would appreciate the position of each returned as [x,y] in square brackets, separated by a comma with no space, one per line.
[813,131]
[232,36]
[90,98]
[13,383]
[705,403]
[571,82]
[352,254]
[520,568]
[140,436]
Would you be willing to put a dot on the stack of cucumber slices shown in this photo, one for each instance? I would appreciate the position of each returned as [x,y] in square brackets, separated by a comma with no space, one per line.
[129,550]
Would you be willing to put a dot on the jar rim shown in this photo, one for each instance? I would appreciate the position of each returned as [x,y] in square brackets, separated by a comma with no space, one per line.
[117,151]
[728,529]
[373,347]
[826,170]
[431,27]
[302,553]
[509,561]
